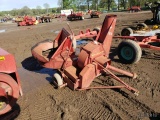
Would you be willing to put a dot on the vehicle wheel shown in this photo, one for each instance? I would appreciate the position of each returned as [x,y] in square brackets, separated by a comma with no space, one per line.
[82,18]
[11,91]
[18,24]
[98,16]
[91,16]
[97,29]
[129,52]
[158,35]
[58,79]
[141,26]
[70,19]
[148,22]
[126,32]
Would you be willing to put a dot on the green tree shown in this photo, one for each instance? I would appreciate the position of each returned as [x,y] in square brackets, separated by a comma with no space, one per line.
[46,6]
[25,11]
[38,8]
[66,4]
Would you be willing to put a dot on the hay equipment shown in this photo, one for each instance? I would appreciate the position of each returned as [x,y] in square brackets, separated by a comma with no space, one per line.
[78,71]
[129,50]
[27,20]
[95,13]
[10,87]
[75,16]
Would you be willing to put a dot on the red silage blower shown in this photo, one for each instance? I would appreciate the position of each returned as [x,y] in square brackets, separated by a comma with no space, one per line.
[78,71]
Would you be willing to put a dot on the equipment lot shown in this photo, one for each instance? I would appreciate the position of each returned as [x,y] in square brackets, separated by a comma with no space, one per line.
[42,101]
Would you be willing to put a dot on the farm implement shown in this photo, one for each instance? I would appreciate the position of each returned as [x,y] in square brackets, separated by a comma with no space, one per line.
[95,13]
[27,21]
[75,16]
[134,38]
[10,87]
[78,71]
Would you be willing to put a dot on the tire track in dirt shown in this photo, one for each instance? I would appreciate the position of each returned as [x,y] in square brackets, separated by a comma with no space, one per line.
[127,107]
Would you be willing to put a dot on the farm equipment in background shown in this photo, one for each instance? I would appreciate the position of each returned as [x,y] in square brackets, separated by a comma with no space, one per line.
[139,28]
[95,13]
[46,18]
[27,20]
[18,19]
[129,50]
[75,16]
[156,13]
[77,71]
[134,9]
[10,87]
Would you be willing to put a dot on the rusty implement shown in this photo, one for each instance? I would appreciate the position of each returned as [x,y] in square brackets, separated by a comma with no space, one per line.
[10,86]
[129,50]
[27,20]
[78,71]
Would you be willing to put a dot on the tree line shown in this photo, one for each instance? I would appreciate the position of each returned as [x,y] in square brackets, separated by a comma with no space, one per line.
[77,5]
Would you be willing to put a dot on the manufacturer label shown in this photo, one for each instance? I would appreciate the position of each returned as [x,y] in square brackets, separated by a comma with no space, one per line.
[2,58]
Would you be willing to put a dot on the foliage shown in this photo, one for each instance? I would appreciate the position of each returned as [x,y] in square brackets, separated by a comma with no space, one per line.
[78,5]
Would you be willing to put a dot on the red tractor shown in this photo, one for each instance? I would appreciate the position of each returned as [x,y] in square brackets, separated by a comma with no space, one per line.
[10,87]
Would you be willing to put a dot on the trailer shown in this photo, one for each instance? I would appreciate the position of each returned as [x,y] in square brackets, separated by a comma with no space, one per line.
[46,18]
[129,50]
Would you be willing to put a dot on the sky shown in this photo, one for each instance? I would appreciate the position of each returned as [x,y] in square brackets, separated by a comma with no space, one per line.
[18,4]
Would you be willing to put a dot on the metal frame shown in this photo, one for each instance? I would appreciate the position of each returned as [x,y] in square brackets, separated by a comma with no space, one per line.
[78,72]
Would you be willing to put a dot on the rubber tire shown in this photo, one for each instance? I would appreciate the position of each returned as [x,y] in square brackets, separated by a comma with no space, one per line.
[136,51]
[149,22]
[81,18]
[142,26]
[126,32]
[97,29]
[5,78]
[58,79]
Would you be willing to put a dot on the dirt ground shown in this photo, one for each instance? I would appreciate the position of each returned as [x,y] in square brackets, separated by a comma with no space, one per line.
[41,101]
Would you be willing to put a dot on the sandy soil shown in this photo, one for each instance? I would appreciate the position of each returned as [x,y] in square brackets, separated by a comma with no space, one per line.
[41,101]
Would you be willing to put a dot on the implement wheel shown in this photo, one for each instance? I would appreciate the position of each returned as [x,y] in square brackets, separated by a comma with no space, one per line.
[129,52]
[141,26]
[97,29]
[58,79]
[126,32]
[9,93]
